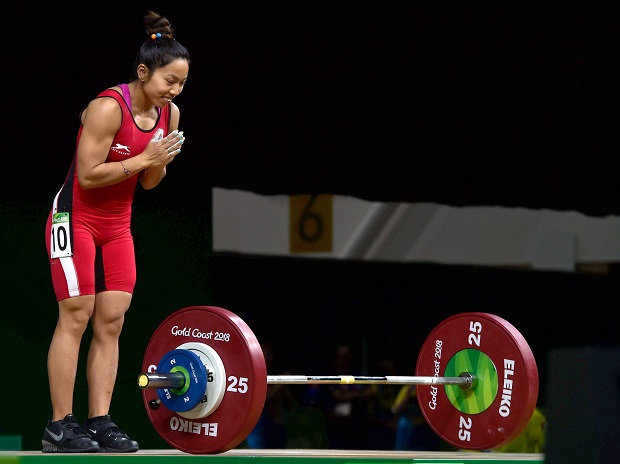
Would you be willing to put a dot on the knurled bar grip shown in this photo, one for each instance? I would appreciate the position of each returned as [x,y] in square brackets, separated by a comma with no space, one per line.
[465,380]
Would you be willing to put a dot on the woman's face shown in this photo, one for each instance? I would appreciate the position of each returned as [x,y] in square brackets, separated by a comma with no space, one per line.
[167,82]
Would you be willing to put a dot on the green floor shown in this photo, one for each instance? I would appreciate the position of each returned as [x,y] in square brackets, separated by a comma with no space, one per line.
[273,456]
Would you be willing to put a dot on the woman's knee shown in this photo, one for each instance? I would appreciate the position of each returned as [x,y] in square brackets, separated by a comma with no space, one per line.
[107,324]
[109,314]
[75,313]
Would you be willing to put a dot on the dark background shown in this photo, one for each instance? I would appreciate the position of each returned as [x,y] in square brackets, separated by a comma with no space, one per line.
[510,104]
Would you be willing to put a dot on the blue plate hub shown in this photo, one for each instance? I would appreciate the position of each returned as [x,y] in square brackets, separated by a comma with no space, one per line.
[193,391]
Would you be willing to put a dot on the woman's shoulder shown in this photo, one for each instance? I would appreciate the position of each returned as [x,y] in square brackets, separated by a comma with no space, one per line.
[110,92]
[104,104]
[103,108]
[174,109]
[175,115]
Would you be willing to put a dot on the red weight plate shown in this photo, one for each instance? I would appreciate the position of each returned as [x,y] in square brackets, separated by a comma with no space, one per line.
[246,384]
[505,394]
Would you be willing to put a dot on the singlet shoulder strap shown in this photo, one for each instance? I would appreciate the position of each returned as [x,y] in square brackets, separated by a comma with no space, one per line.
[126,94]
[114,94]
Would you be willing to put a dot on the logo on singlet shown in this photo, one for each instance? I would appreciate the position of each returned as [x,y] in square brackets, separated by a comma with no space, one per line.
[122,149]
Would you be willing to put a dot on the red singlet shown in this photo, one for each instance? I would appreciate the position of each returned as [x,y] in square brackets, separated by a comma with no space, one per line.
[99,219]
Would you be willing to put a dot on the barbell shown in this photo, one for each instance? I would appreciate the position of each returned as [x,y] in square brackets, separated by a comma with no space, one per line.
[204,380]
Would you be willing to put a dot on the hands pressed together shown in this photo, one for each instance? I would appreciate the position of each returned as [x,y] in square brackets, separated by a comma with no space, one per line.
[161,151]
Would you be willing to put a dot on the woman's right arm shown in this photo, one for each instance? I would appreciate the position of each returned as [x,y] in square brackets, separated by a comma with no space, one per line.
[101,120]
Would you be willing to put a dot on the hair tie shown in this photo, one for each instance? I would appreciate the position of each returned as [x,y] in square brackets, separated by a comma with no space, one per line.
[156,36]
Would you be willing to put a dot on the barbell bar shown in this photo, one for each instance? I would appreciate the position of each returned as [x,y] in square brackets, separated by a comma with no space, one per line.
[476,380]
[176,380]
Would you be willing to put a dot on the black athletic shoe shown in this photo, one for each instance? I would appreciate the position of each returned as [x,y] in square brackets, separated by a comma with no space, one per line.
[111,439]
[67,436]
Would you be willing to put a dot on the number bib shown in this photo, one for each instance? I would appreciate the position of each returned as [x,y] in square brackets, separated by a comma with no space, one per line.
[61,236]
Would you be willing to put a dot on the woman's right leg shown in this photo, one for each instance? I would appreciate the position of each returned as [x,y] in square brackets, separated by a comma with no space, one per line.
[63,434]
[62,359]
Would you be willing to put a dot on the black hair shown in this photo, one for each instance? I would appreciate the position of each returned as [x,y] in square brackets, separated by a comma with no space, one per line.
[161,50]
